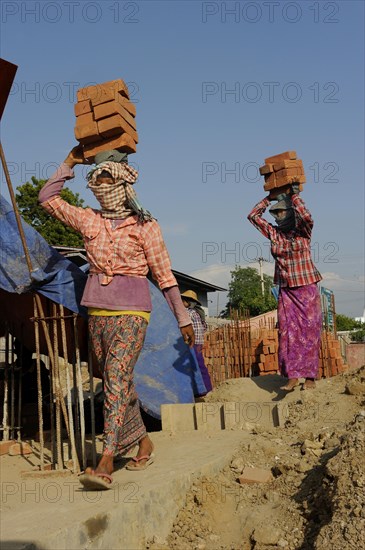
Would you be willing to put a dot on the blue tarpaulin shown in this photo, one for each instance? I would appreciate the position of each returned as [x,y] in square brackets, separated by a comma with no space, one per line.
[166,371]
[52,275]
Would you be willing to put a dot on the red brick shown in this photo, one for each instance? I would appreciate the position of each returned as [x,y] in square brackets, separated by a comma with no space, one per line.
[82,107]
[87,133]
[270,178]
[281,177]
[104,95]
[288,164]
[255,475]
[124,142]
[282,181]
[114,108]
[266,169]
[290,155]
[5,445]
[96,91]
[20,448]
[115,125]
[86,118]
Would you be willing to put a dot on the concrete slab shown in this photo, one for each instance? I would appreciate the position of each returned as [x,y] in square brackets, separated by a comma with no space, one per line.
[209,416]
[179,417]
[229,415]
[56,514]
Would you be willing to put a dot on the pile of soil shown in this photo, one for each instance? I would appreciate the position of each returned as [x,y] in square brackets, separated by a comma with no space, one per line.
[316,497]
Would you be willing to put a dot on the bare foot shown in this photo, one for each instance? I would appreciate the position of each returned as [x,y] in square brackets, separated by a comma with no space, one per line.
[309,384]
[105,466]
[145,449]
[290,385]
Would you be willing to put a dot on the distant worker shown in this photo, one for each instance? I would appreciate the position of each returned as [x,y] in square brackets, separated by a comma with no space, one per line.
[197,316]
[299,304]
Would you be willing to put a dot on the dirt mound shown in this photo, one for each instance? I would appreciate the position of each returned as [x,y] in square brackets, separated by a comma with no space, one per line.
[316,497]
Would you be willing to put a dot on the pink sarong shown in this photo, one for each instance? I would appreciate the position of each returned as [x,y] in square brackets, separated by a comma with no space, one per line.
[300,323]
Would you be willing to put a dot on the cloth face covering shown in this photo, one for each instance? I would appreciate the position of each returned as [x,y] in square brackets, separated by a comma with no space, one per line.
[118,199]
[286,223]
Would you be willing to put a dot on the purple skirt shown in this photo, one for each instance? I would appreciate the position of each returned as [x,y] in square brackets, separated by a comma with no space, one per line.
[300,323]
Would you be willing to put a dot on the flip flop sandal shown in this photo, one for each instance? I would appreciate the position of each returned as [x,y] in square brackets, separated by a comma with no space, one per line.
[95,482]
[149,459]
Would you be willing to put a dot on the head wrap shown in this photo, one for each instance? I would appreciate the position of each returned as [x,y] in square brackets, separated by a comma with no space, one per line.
[118,199]
[288,222]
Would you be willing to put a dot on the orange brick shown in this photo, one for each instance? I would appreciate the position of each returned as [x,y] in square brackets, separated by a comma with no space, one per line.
[282,181]
[270,182]
[96,91]
[109,95]
[104,95]
[86,118]
[5,446]
[113,108]
[82,107]
[266,169]
[87,133]
[20,448]
[124,142]
[115,125]
[128,105]
[288,164]
[281,177]
[255,475]
[290,155]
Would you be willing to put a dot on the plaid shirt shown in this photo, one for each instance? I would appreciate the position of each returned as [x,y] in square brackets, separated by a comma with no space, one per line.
[199,326]
[291,250]
[129,249]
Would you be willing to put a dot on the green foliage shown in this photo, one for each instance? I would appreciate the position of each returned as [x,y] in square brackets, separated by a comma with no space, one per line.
[358,336]
[245,292]
[346,323]
[54,231]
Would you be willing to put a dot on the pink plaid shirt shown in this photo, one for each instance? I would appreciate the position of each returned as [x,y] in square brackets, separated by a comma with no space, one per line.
[291,250]
[129,249]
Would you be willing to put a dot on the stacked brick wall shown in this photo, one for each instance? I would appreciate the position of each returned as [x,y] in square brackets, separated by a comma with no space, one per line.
[233,352]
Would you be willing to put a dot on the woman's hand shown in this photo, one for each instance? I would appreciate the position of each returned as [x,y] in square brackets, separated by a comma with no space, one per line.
[188,335]
[75,156]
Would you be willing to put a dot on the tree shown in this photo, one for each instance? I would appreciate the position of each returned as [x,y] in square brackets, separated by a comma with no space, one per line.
[346,323]
[245,292]
[54,231]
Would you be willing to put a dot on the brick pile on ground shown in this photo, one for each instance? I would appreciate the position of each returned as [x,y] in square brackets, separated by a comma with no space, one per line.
[331,361]
[229,353]
[264,350]
[282,170]
[105,119]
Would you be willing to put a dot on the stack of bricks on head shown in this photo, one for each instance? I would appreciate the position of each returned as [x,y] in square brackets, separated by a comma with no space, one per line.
[282,171]
[105,119]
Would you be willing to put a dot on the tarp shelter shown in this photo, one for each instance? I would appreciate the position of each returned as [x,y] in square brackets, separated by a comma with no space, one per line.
[166,371]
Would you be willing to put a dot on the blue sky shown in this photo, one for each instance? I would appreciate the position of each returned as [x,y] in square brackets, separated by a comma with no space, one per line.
[218,86]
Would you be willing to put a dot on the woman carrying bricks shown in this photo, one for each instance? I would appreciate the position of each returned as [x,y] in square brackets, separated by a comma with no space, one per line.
[299,304]
[122,242]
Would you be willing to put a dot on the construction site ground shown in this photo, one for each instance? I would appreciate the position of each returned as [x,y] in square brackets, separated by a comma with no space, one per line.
[190,497]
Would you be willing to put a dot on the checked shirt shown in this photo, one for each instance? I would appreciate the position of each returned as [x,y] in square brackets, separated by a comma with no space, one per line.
[291,250]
